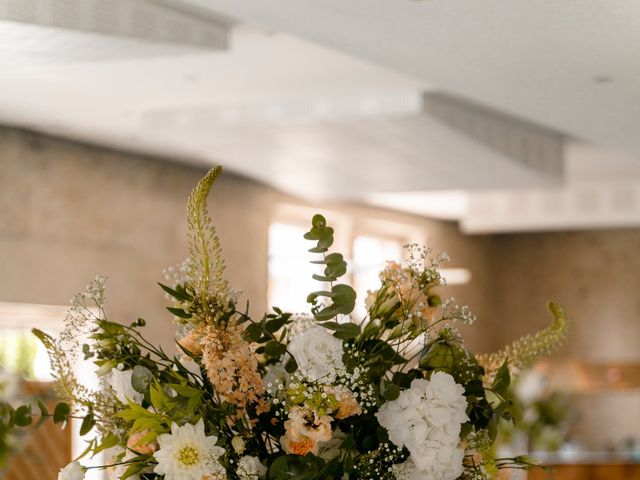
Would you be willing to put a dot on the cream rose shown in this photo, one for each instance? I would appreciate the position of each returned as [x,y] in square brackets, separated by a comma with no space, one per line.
[318,354]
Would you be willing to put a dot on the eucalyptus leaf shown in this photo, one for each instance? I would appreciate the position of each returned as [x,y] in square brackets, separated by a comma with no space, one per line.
[141,378]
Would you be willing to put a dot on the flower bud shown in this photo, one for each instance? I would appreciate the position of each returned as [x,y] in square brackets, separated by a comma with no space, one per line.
[238,444]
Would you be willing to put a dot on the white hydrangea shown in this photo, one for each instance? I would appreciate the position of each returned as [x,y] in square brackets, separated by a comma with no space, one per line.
[120,382]
[427,419]
[318,354]
[250,468]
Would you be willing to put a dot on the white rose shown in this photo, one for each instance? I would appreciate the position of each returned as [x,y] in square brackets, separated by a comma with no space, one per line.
[250,468]
[73,471]
[120,382]
[317,353]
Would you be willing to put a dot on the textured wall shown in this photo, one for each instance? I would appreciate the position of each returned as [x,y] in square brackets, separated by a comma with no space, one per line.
[595,275]
[69,212]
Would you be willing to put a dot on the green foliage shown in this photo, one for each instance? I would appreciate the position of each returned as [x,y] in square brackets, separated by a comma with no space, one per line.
[341,298]
[61,412]
[525,351]
[141,378]
[296,467]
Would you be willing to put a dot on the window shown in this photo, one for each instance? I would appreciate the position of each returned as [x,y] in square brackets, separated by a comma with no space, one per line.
[367,245]
[370,255]
[289,269]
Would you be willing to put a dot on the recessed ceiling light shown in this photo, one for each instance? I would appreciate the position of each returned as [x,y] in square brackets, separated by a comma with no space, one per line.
[602,79]
[192,77]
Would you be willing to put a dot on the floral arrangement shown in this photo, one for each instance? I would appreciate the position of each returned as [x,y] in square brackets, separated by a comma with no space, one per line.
[394,395]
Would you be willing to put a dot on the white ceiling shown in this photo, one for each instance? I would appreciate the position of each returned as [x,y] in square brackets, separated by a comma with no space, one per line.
[573,65]
[325,99]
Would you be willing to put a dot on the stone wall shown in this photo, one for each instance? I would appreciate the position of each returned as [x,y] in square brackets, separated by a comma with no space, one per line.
[595,276]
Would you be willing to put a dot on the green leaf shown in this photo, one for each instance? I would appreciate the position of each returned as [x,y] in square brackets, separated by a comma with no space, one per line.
[344,298]
[141,378]
[182,296]
[323,278]
[108,441]
[391,391]
[348,443]
[61,412]
[44,414]
[253,332]
[327,313]
[178,312]
[88,423]
[132,469]
[347,331]
[22,416]
[46,339]
[43,408]
[291,365]
[330,325]
[275,324]
[502,379]
[296,467]
[274,349]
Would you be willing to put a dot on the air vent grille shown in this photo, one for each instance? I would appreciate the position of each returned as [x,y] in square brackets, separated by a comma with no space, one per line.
[147,20]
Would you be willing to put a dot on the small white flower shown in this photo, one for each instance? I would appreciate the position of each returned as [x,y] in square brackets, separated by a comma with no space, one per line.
[73,471]
[120,382]
[187,453]
[250,468]
[317,353]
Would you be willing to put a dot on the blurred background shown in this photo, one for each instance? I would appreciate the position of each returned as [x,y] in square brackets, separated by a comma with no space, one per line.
[504,132]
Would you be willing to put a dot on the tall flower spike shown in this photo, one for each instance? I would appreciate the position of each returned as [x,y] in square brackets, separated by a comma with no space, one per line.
[206,265]
[526,350]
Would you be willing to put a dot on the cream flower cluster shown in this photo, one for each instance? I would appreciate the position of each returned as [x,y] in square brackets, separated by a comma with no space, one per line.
[427,419]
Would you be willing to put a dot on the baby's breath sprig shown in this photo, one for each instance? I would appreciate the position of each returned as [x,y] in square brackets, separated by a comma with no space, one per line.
[378,464]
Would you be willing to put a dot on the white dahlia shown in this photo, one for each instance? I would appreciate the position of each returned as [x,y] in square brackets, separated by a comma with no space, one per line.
[187,453]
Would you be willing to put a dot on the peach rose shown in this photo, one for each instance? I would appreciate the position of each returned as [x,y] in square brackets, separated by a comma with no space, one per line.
[348,406]
[134,443]
[305,430]
[300,447]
